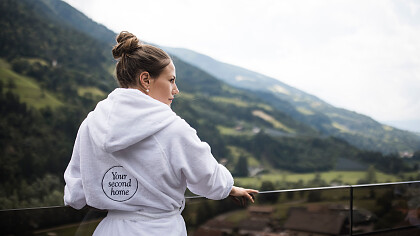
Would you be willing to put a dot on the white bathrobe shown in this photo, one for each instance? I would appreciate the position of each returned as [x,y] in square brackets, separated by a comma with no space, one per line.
[134,157]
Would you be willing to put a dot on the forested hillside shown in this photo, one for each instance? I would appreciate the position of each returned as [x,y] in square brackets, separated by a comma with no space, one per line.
[53,72]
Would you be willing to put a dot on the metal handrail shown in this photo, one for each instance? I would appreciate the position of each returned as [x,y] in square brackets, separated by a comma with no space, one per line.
[330,187]
[266,192]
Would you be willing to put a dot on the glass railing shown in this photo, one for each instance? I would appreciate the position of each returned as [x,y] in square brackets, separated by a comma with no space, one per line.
[372,209]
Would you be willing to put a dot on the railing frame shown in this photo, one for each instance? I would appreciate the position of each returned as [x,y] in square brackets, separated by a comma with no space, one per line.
[351,202]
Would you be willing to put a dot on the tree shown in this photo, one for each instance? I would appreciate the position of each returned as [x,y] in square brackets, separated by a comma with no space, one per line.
[371,174]
[241,168]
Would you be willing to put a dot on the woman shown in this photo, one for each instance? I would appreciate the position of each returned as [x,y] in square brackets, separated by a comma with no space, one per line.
[134,157]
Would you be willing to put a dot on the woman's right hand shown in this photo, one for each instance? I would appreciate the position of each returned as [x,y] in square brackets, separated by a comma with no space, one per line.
[243,193]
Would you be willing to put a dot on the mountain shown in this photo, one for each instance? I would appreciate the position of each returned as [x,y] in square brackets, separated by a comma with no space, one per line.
[357,129]
[60,11]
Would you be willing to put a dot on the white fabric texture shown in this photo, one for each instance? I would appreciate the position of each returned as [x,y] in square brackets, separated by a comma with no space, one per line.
[134,154]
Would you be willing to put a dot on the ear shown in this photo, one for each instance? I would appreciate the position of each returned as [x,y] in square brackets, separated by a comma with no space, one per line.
[144,79]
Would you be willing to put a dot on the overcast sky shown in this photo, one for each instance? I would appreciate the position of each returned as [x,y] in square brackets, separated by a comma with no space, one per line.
[361,55]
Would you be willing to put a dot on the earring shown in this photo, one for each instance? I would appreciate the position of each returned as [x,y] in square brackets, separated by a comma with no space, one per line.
[147,90]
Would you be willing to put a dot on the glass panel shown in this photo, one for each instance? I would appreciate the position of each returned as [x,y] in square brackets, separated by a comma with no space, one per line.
[292,213]
[391,209]
[50,221]
[387,208]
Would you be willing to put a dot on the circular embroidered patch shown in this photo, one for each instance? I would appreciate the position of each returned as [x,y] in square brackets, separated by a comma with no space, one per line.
[118,184]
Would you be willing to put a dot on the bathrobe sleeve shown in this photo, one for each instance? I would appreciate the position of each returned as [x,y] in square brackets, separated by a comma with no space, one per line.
[74,195]
[193,161]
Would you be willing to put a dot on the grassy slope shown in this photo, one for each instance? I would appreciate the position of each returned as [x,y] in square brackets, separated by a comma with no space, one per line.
[32,94]
[348,177]
[91,91]
[27,88]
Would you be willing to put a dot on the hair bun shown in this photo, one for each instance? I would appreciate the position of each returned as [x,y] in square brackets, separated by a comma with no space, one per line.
[126,43]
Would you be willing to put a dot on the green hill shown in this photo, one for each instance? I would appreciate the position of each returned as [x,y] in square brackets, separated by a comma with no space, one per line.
[27,88]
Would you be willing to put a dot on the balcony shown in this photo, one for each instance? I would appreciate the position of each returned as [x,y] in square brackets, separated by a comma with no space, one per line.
[371,209]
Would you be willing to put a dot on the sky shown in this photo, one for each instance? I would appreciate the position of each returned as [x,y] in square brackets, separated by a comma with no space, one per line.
[361,55]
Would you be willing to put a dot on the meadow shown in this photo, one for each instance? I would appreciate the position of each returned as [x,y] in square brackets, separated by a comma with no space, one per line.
[330,178]
[27,88]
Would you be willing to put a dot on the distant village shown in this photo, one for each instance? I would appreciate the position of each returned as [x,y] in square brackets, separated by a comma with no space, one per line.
[312,220]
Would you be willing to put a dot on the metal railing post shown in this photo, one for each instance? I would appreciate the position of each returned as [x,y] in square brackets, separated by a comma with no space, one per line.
[351,210]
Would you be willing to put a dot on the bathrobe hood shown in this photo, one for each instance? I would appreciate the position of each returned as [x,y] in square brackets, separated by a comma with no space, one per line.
[127,117]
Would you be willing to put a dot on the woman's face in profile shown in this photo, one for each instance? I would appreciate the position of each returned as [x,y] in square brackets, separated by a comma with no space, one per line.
[163,88]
